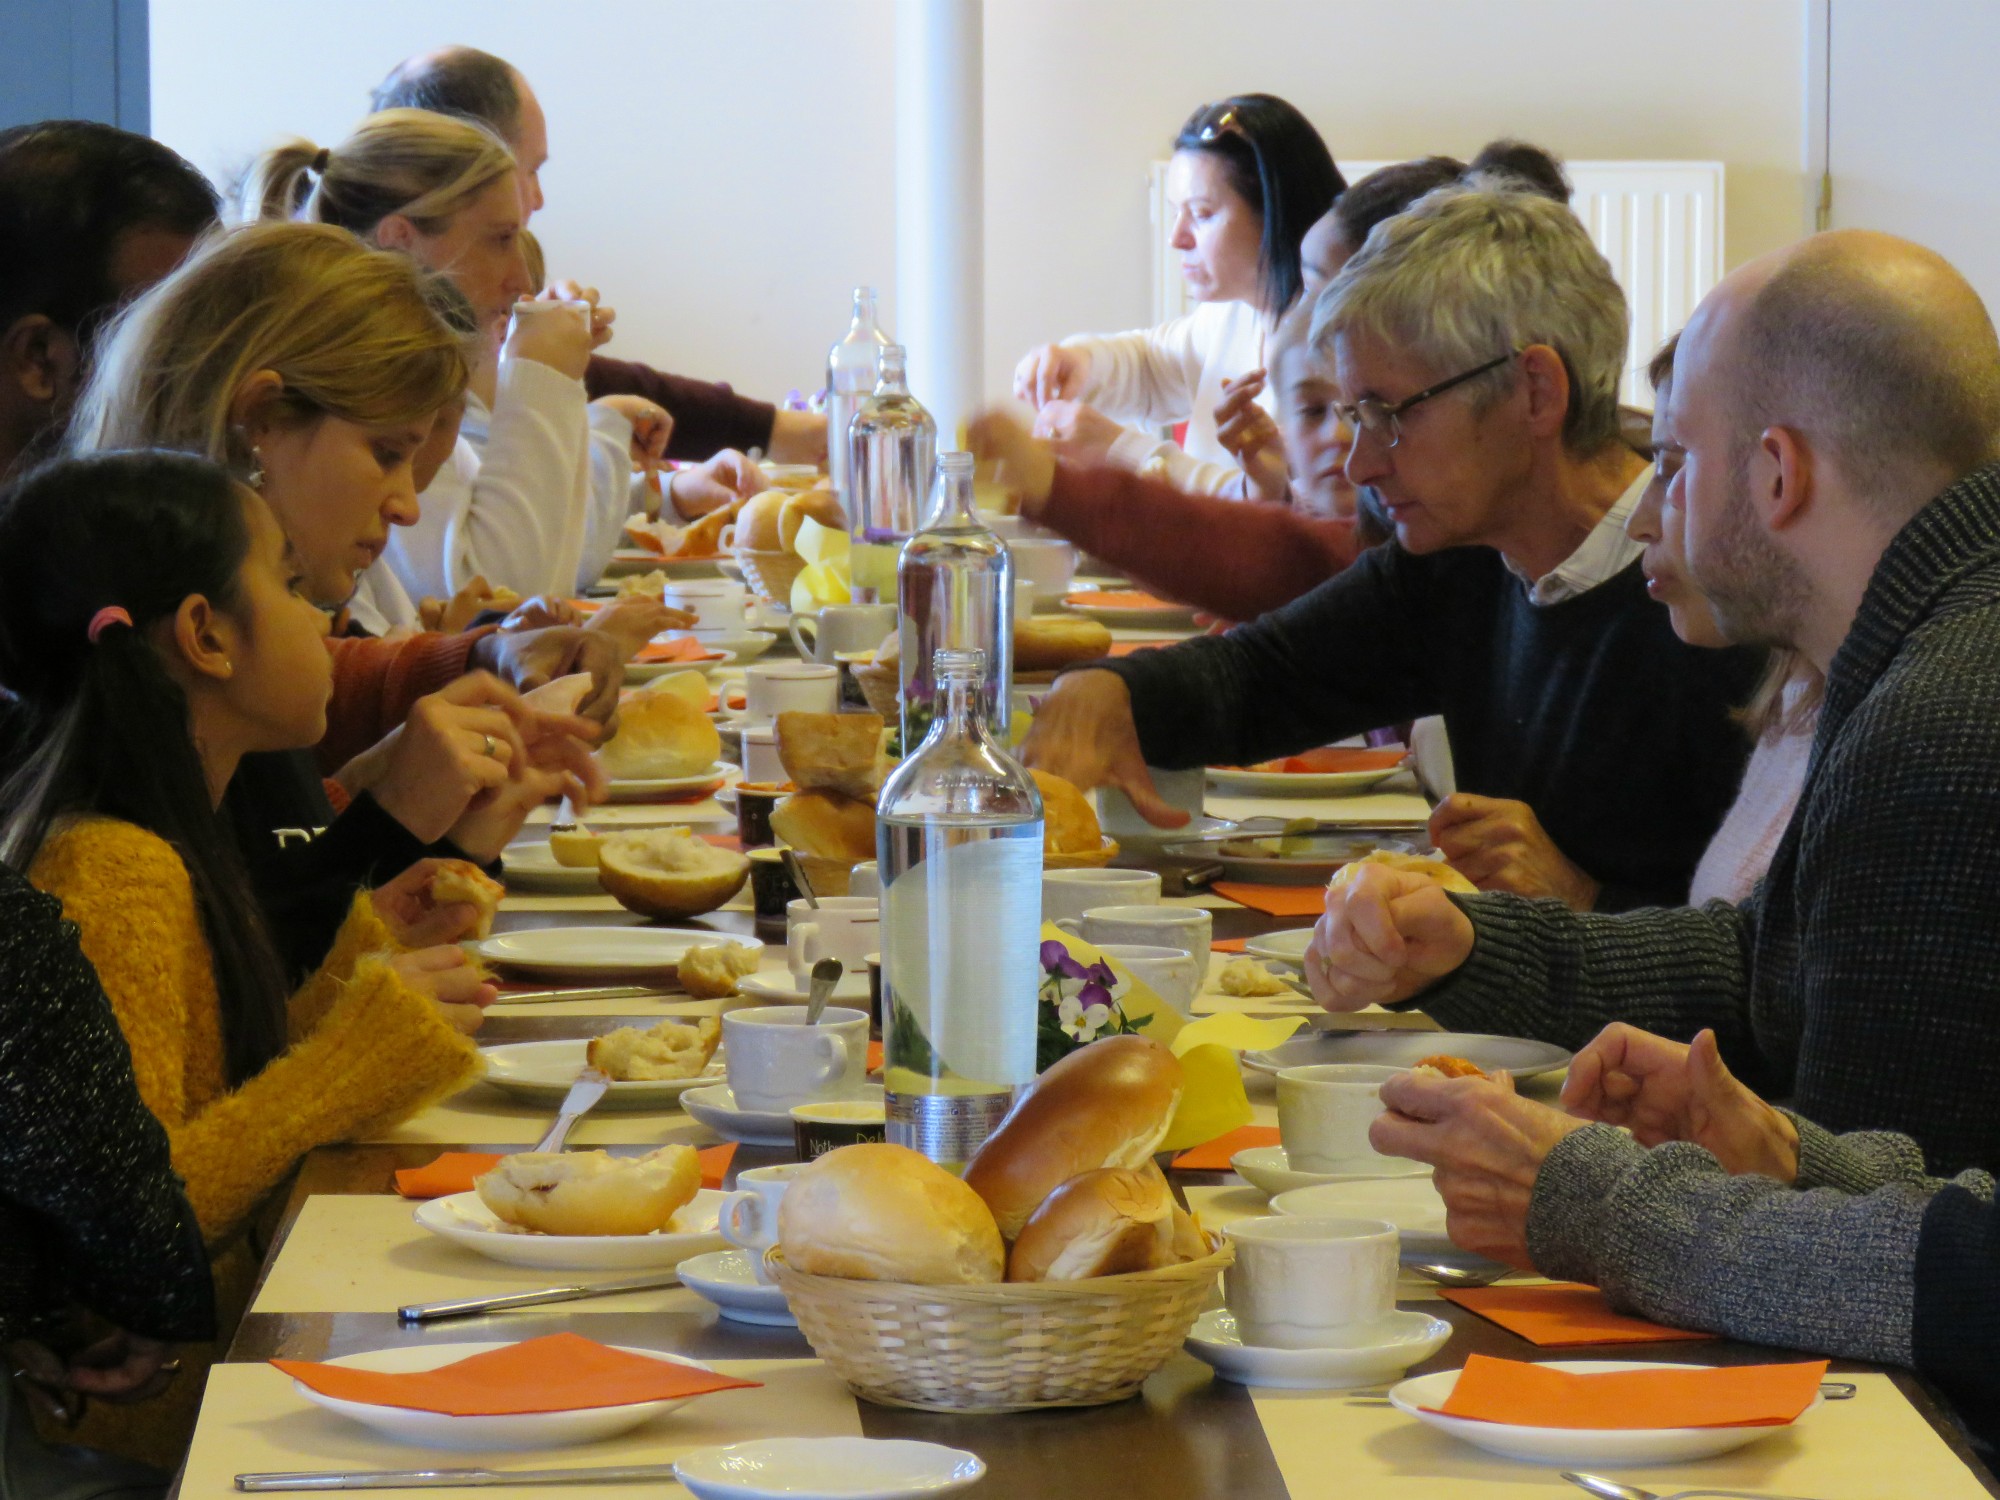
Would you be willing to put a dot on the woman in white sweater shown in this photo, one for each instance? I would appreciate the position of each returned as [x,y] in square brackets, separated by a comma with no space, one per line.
[1248,177]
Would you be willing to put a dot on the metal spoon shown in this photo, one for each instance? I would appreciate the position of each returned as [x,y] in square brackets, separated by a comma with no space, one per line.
[798,873]
[826,974]
[1445,1275]
[1611,1489]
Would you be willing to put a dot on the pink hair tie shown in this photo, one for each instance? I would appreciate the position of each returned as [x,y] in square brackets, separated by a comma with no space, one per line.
[110,615]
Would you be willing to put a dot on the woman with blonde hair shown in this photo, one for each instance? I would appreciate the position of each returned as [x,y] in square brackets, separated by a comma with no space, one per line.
[299,357]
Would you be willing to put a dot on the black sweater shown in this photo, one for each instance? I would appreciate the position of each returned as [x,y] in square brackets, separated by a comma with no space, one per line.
[1591,710]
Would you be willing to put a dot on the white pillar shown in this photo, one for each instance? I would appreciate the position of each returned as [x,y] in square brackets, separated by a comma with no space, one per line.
[940,197]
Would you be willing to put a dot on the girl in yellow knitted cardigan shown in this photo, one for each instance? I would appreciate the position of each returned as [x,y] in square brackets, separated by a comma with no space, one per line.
[152,632]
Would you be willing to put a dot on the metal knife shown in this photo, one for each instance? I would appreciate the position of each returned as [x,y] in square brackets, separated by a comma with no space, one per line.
[466,1307]
[430,1479]
[594,992]
[590,1086]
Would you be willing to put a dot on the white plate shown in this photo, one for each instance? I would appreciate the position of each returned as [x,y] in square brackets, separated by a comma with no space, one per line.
[1240,782]
[1320,854]
[1287,947]
[715,1106]
[1161,617]
[638,952]
[531,867]
[827,1468]
[741,645]
[1412,1204]
[626,561]
[646,671]
[542,1072]
[638,790]
[1403,1049]
[778,985]
[1573,1447]
[1401,1340]
[434,1429]
[725,1278]
[465,1220]
[1268,1168]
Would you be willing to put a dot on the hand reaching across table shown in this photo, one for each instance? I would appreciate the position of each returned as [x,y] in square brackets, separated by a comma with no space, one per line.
[1500,845]
[1084,733]
[1387,934]
[1249,433]
[525,660]
[540,612]
[1077,432]
[1054,372]
[634,620]
[720,480]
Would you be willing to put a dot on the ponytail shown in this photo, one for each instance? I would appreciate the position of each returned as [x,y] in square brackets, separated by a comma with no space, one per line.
[282,179]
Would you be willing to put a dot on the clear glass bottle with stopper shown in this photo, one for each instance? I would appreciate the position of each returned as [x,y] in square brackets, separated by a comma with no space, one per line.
[891,448]
[954,592]
[853,367]
[959,841]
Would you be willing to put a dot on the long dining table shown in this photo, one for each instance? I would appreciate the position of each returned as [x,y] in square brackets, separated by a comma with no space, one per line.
[346,1254]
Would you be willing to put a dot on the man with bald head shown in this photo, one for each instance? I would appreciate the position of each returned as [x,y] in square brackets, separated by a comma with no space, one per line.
[708,417]
[1832,440]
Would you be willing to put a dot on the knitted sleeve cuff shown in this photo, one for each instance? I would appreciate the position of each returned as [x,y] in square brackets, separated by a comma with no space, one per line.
[1572,1193]
[1857,1162]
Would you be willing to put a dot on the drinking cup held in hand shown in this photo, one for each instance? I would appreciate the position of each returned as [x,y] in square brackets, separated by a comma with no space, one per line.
[1310,1283]
[775,1060]
[1324,1112]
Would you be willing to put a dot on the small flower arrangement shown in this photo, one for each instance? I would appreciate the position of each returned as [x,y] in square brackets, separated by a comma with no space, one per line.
[1065,1021]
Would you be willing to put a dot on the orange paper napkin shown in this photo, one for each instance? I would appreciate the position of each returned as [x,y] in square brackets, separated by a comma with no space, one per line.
[1133,648]
[874,1057]
[1564,1315]
[1229,945]
[454,1171]
[1275,900]
[1529,1395]
[560,1372]
[1117,599]
[1213,1156]
[681,648]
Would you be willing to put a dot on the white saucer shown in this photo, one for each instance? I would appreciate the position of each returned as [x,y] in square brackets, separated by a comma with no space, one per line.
[1412,1204]
[639,789]
[543,1073]
[466,1220]
[1268,1168]
[1287,947]
[715,1106]
[725,1277]
[599,952]
[1390,1348]
[779,986]
[1240,781]
[1575,1447]
[531,867]
[646,671]
[826,1468]
[514,1430]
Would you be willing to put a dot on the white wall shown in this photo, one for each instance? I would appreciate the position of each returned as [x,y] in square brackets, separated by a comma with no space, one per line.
[712,175]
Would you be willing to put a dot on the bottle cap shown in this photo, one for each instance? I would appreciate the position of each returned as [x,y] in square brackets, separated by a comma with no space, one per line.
[968,662]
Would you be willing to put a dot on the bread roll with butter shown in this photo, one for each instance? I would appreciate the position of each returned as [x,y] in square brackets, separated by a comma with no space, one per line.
[670,1050]
[591,1192]
[668,872]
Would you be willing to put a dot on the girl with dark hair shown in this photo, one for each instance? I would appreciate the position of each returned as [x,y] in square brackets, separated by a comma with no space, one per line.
[1249,176]
[153,632]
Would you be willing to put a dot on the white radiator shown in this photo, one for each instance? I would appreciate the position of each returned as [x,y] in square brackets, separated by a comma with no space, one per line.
[1659,223]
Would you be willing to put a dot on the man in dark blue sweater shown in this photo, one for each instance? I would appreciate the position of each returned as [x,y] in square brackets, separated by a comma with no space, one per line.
[1479,339]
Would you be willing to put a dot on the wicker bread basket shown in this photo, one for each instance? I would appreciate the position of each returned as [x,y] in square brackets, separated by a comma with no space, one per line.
[1009,1346]
[882,687]
[770,574]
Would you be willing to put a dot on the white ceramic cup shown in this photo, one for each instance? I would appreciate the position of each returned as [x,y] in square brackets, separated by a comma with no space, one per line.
[1181,789]
[1071,893]
[848,928]
[761,765]
[1047,562]
[1309,1283]
[773,688]
[841,627]
[1324,1112]
[1024,598]
[1190,928]
[865,879]
[749,1216]
[1172,972]
[775,1060]
[720,606]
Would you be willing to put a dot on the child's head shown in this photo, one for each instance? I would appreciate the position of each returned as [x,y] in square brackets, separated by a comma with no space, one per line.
[1316,440]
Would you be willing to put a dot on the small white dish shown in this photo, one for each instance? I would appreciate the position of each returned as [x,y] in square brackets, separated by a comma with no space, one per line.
[543,1072]
[1412,1204]
[1240,781]
[639,789]
[1575,1447]
[531,867]
[715,1106]
[1162,614]
[465,1220]
[726,1278]
[1381,1353]
[600,952]
[1287,947]
[1404,1049]
[1270,1169]
[777,985]
[515,1430]
[827,1468]
[742,645]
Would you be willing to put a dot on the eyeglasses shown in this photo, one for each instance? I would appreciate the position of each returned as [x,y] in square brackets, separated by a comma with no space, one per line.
[1384,419]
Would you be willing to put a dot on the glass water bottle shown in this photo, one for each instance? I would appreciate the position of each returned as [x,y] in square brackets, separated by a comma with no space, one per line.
[954,592]
[959,840]
[891,446]
[853,366]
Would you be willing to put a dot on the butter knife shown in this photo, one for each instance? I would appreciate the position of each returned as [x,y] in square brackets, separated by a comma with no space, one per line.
[466,1307]
[590,992]
[435,1479]
[590,1086]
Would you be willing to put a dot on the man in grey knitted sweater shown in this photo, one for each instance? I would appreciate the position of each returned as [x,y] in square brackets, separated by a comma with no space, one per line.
[1833,422]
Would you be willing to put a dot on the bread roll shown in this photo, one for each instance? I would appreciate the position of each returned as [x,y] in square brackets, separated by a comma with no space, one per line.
[1069,822]
[884,1213]
[672,1049]
[1044,643]
[576,848]
[704,537]
[1416,864]
[757,522]
[458,880]
[660,735]
[815,504]
[710,971]
[668,872]
[1105,1105]
[1102,1223]
[591,1192]
[835,828]
[838,753]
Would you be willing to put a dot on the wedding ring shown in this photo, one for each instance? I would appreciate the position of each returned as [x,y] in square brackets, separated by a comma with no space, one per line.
[171,1368]
[489,745]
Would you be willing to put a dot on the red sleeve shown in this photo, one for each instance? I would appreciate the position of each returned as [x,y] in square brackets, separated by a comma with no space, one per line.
[708,416]
[1234,558]
[375,682]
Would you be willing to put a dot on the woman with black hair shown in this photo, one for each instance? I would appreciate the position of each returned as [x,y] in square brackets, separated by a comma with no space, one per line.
[1249,176]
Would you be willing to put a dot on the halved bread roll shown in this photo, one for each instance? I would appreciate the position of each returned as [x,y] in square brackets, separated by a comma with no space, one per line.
[591,1192]
[1069,822]
[670,1050]
[1102,1223]
[668,872]
[1415,864]
[884,1213]
[710,971]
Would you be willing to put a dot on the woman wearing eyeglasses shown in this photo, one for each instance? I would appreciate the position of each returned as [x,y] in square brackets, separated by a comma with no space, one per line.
[1248,178]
